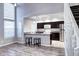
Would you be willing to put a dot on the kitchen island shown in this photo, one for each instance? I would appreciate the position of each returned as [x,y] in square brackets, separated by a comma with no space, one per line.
[45,38]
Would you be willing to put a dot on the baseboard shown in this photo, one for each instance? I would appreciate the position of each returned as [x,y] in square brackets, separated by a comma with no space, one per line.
[7,44]
[76,51]
[21,42]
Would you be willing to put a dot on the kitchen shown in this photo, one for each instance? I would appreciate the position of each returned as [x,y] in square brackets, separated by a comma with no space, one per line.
[46,27]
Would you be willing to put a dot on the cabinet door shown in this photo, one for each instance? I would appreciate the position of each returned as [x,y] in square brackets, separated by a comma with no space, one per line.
[40,26]
[54,36]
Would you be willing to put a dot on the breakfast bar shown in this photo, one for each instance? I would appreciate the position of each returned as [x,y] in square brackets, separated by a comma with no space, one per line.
[45,38]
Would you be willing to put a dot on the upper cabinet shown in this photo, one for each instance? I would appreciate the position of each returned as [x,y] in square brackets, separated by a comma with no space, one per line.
[9,11]
[52,24]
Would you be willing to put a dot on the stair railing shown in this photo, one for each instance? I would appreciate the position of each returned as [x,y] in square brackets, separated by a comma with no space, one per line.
[76,33]
[75,27]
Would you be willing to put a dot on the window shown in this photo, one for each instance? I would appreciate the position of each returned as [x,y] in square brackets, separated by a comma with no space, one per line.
[9,11]
[9,29]
[9,20]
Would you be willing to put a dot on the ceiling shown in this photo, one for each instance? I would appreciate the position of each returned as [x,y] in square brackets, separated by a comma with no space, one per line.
[47,17]
[40,8]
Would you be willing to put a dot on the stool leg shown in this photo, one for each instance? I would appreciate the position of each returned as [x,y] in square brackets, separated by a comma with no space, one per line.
[39,42]
[31,41]
[25,41]
[34,42]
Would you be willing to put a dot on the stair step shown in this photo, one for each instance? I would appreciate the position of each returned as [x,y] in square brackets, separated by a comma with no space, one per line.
[78,23]
[75,11]
[74,7]
[76,18]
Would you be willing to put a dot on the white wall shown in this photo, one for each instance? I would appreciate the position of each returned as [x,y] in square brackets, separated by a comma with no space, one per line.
[1,24]
[29,25]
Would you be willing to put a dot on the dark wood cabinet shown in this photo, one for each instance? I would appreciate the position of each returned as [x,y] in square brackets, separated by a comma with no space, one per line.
[53,24]
[54,36]
[40,25]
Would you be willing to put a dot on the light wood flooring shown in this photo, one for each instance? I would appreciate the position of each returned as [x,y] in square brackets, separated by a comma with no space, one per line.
[22,50]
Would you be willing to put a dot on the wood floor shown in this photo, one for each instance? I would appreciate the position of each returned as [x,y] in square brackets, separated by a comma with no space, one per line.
[22,50]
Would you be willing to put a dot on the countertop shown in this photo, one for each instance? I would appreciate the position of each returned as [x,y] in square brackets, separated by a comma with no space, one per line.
[35,34]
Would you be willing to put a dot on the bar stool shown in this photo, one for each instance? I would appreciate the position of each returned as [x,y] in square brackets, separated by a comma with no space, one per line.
[28,41]
[37,41]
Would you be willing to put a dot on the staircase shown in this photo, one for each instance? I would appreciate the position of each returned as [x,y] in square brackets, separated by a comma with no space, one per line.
[71,33]
[75,11]
[75,24]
